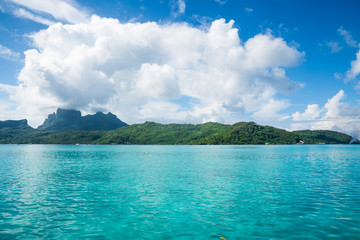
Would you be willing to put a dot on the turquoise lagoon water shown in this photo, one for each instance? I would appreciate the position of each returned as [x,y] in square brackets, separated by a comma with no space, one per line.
[179,192]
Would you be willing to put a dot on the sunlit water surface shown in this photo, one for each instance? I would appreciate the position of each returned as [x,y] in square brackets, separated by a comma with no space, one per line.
[179,192]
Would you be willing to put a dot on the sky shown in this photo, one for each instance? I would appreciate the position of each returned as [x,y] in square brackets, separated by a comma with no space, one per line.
[289,64]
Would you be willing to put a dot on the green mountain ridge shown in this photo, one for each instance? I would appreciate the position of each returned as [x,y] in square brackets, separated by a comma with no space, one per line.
[217,134]
[14,124]
[68,127]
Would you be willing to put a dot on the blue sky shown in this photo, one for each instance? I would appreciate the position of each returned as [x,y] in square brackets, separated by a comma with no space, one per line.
[291,64]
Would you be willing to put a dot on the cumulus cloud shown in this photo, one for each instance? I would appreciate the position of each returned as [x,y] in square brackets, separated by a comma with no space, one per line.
[334,115]
[177,7]
[149,71]
[60,10]
[312,112]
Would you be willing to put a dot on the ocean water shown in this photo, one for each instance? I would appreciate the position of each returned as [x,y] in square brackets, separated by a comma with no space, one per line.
[179,192]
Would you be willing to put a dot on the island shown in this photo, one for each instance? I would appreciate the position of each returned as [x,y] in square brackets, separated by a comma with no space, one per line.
[69,127]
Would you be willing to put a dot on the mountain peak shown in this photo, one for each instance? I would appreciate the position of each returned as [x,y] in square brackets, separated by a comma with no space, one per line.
[71,119]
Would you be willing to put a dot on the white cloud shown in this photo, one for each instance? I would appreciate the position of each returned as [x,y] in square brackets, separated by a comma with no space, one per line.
[61,10]
[312,112]
[248,11]
[335,115]
[28,15]
[160,110]
[271,109]
[177,7]
[221,2]
[157,81]
[347,37]
[339,76]
[334,46]
[144,71]
[7,110]
[355,68]
[266,51]
[8,53]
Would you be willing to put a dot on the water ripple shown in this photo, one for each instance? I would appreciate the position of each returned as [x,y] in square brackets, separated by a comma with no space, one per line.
[179,192]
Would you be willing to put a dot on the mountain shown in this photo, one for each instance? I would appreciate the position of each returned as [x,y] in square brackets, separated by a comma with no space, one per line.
[17,131]
[101,121]
[14,124]
[64,120]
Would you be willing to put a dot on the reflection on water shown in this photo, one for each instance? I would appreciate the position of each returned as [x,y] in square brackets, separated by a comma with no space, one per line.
[179,192]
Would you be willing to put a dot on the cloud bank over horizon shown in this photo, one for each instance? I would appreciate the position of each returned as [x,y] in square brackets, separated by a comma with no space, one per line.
[334,115]
[149,71]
